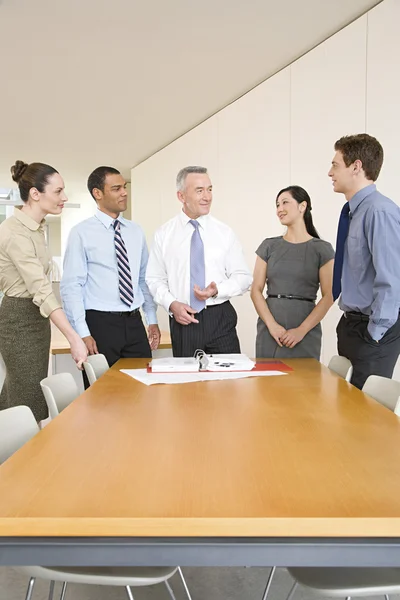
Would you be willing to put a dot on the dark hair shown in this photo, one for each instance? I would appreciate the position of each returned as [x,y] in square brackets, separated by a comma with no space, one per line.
[98,177]
[365,148]
[300,195]
[35,175]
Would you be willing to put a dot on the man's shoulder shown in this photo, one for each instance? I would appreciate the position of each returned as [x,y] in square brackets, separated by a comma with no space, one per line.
[132,225]
[168,225]
[214,222]
[85,225]
[382,203]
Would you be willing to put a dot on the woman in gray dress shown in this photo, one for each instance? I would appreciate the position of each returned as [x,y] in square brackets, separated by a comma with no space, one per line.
[294,266]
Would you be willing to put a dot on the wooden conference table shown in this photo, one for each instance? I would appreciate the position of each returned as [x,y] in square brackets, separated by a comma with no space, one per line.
[298,469]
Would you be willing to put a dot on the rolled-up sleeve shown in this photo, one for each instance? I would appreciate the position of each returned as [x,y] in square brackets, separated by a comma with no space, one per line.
[21,251]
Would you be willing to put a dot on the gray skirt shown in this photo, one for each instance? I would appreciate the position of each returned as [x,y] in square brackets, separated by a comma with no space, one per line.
[25,347]
[290,314]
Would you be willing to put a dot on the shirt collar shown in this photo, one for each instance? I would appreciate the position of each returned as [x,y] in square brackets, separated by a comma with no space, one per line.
[27,220]
[356,200]
[202,221]
[106,220]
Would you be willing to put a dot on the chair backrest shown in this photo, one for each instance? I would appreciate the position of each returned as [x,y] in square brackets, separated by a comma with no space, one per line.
[59,391]
[342,366]
[17,426]
[95,366]
[384,390]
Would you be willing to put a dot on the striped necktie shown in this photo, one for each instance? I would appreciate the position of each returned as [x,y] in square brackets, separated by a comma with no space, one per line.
[124,270]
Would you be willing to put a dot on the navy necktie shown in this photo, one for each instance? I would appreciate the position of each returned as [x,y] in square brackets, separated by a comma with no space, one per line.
[197,266]
[124,270]
[343,230]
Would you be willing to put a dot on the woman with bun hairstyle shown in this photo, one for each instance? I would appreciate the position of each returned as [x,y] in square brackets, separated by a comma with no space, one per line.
[294,266]
[29,301]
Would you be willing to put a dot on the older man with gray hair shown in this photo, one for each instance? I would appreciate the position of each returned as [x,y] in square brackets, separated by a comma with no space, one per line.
[195,266]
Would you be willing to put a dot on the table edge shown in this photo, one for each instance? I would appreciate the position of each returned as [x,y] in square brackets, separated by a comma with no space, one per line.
[300,527]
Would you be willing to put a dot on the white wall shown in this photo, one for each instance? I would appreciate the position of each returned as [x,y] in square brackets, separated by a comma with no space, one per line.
[283,133]
[77,194]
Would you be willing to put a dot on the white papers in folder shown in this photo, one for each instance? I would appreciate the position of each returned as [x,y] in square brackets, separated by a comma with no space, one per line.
[215,362]
[174,365]
[229,362]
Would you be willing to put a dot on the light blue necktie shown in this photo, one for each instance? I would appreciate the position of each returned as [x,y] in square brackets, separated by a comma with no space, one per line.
[197,267]
[124,270]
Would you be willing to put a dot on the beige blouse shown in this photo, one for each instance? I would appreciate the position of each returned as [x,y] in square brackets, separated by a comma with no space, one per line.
[25,262]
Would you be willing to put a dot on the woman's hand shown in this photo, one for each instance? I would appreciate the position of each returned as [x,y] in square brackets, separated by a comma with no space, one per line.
[292,337]
[78,351]
[277,332]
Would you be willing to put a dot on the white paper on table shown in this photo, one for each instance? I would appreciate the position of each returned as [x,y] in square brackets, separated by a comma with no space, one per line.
[152,378]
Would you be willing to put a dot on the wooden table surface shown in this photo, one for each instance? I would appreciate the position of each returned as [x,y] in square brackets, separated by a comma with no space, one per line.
[304,454]
[60,345]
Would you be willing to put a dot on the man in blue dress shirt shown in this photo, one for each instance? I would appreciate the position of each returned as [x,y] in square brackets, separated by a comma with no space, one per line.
[103,285]
[367,263]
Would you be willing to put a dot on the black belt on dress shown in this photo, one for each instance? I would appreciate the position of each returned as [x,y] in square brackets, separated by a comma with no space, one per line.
[290,297]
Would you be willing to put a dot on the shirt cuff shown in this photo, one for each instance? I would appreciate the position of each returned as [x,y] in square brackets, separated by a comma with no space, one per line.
[376,332]
[151,317]
[49,305]
[82,329]
[167,301]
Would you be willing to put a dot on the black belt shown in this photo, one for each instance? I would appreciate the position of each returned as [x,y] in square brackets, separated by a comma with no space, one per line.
[290,297]
[353,314]
[123,313]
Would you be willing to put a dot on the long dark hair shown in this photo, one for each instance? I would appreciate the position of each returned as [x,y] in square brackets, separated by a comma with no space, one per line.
[300,195]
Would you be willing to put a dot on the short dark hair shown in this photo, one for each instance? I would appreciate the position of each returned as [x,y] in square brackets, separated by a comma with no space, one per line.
[98,177]
[35,175]
[365,148]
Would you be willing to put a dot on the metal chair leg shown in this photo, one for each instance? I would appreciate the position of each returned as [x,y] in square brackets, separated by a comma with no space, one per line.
[129,592]
[169,588]
[30,588]
[184,583]
[269,581]
[63,590]
[386,596]
[292,591]
[51,590]
[348,598]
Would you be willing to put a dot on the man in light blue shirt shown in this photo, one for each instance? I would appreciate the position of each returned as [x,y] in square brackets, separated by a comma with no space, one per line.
[103,285]
[366,271]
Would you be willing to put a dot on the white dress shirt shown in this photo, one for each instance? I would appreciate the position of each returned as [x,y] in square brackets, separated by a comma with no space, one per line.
[168,269]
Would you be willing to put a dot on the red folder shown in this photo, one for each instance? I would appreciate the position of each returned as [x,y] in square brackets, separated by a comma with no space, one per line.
[267,364]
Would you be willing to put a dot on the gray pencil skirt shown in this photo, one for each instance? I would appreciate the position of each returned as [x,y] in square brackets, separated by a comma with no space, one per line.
[25,347]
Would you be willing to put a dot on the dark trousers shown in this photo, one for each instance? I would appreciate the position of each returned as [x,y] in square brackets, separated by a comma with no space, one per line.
[366,355]
[118,335]
[215,333]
